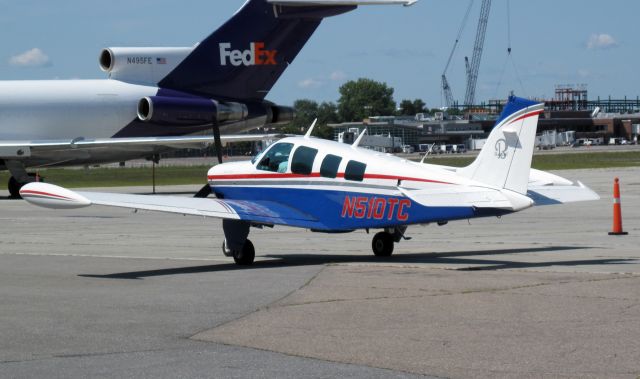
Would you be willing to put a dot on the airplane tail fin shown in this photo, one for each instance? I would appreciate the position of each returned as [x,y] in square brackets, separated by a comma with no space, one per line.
[244,58]
[505,159]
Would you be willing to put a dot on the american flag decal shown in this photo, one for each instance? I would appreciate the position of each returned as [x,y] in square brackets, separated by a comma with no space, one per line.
[161,60]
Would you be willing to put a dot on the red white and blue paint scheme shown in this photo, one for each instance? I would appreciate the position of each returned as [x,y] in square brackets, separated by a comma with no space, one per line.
[162,98]
[332,187]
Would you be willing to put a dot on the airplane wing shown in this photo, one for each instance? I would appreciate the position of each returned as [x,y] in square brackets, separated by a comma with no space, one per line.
[264,212]
[60,151]
[341,2]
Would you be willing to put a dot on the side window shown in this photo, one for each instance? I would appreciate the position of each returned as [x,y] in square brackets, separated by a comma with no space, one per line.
[276,159]
[302,162]
[355,171]
[329,167]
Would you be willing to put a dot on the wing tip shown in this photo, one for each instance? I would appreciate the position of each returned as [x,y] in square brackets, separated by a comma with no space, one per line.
[51,196]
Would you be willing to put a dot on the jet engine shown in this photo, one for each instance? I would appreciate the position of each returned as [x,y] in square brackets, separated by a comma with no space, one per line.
[188,111]
[147,65]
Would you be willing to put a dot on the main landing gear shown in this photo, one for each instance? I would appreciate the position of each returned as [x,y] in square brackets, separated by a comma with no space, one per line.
[383,242]
[242,257]
[236,244]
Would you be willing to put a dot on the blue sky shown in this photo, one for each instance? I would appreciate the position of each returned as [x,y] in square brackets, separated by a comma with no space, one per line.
[553,42]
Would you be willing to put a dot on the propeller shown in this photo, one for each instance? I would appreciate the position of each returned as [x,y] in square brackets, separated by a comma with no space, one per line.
[205,191]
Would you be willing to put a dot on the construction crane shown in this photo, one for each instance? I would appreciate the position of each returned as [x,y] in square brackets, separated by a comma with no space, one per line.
[473,67]
[446,89]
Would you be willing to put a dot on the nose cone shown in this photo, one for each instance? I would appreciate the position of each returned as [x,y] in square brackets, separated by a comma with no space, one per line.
[224,170]
[52,196]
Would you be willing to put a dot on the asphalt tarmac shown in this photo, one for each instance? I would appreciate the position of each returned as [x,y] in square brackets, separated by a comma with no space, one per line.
[104,292]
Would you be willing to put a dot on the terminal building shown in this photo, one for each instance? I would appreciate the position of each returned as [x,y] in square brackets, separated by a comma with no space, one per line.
[568,113]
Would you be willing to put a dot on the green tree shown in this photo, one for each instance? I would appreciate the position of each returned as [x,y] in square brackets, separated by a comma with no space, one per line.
[363,98]
[420,106]
[328,113]
[406,108]
[411,108]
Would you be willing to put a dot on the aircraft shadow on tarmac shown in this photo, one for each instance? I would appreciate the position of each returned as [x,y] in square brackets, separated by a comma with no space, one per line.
[461,258]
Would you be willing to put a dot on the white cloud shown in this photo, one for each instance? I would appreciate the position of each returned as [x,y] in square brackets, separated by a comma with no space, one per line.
[583,73]
[601,41]
[338,76]
[310,83]
[31,58]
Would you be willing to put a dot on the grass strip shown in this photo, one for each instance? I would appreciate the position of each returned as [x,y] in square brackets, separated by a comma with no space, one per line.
[177,175]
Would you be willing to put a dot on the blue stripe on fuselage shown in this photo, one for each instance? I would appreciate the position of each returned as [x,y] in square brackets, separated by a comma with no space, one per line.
[334,210]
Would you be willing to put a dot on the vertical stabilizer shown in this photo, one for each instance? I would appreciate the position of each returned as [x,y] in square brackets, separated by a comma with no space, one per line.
[244,58]
[505,159]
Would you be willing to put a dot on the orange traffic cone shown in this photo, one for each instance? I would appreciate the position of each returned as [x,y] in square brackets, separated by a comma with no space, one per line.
[617,211]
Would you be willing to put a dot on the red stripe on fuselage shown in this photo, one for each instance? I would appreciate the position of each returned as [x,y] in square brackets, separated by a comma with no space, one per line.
[316,175]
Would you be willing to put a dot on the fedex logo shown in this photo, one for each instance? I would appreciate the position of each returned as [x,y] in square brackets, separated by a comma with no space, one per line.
[375,208]
[255,56]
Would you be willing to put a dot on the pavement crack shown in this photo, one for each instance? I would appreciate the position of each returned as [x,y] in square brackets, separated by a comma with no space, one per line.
[447,293]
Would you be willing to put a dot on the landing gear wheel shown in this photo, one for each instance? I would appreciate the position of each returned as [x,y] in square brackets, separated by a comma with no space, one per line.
[245,256]
[14,188]
[382,244]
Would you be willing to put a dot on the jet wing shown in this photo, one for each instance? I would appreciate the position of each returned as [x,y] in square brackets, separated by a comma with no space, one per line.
[104,150]
[341,2]
[265,212]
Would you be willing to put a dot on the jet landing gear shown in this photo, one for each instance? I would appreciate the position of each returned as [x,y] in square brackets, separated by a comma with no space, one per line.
[383,242]
[236,244]
[14,186]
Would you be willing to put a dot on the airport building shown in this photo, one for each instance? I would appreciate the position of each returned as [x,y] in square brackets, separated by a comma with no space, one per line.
[568,113]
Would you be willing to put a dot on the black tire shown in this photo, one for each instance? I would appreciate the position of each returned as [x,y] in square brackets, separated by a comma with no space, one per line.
[245,256]
[382,244]
[14,188]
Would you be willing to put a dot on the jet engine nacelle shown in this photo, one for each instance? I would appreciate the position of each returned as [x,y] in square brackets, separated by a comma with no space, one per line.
[279,115]
[188,111]
[146,65]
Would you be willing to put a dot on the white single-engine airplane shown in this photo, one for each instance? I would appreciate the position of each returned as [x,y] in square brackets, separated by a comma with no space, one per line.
[332,187]
[162,98]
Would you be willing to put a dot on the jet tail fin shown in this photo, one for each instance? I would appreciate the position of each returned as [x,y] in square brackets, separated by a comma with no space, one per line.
[244,58]
[505,159]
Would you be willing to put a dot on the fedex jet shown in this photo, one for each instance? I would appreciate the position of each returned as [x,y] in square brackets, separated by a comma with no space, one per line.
[157,99]
[330,187]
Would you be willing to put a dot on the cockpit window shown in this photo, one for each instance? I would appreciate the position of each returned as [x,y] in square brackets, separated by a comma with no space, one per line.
[276,159]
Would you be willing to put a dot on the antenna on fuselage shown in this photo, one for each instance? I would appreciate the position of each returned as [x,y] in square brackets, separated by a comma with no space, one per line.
[313,124]
[357,141]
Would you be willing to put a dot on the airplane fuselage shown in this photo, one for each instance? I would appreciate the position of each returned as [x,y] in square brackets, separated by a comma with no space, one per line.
[359,190]
[58,110]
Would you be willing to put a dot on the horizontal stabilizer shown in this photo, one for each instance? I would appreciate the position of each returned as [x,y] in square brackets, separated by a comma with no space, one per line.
[552,195]
[477,197]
